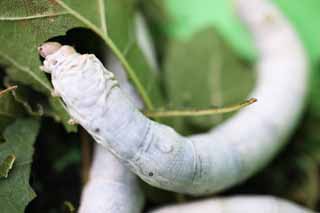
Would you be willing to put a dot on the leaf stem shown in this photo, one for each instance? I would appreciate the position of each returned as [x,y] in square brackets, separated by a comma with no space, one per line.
[131,73]
[2,92]
[190,113]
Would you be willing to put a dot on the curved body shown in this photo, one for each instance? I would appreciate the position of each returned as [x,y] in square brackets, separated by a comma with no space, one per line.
[209,162]
[111,186]
[237,204]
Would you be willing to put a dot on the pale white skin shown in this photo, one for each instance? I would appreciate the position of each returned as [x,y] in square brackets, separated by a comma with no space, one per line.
[208,162]
[237,204]
[111,187]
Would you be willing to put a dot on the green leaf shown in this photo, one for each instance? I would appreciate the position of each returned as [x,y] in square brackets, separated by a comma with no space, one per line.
[193,16]
[24,26]
[15,192]
[203,72]
[121,16]
[304,18]
[9,110]
[26,97]
[314,101]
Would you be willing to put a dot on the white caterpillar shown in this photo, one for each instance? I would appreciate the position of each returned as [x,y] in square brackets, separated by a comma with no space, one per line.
[111,187]
[205,163]
[237,204]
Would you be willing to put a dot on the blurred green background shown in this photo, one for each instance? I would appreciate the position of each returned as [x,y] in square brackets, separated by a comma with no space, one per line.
[206,59]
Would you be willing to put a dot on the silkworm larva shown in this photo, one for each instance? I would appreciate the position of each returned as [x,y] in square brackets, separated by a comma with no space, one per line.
[111,186]
[247,204]
[205,163]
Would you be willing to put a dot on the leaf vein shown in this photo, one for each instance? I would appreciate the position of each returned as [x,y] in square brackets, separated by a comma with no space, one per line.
[102,16]
[37,16]
[26,70]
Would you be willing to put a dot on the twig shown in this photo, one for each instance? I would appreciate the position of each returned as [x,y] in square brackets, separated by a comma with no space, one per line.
[2,92]
[203,112]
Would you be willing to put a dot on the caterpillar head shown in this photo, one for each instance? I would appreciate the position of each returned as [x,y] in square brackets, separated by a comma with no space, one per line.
[54,53]
[80,79]
[48,48]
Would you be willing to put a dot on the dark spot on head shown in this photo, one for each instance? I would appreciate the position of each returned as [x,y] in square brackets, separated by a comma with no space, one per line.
[96,130]
[150,174]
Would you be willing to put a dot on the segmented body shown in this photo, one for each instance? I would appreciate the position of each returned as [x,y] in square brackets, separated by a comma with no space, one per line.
[205,163]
